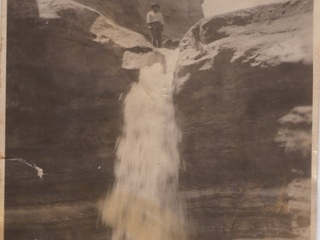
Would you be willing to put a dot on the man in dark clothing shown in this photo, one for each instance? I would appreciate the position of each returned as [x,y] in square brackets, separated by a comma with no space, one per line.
[156,24]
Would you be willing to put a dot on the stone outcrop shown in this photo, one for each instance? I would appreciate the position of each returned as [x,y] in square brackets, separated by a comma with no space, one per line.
[237,75]
[243,96]
[295,134]
[179,15]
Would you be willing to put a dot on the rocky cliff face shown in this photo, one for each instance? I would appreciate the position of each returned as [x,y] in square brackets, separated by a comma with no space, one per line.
[65,84]
[237,75]
[243,87]
[64,81]
[179,15]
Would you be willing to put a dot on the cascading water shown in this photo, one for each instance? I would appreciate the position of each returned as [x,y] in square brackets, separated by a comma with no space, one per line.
[144,203]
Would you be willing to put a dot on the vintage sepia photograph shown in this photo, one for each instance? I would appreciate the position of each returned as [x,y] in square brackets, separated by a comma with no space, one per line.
[158,120]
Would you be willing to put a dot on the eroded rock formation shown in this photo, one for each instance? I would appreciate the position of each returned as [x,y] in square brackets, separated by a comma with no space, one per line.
[239,74]
[65,86]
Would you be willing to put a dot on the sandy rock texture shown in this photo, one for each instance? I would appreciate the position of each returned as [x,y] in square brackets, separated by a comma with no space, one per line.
[237,75]
[243,96]
[65,84]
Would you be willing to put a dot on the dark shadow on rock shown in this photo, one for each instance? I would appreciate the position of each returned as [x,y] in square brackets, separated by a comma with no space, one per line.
[64,114]
[232,137]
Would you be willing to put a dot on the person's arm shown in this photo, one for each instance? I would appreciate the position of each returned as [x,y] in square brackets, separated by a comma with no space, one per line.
[148,18]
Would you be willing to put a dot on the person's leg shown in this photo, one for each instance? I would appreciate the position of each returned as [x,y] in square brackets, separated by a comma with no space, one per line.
[153,37]
[158,36]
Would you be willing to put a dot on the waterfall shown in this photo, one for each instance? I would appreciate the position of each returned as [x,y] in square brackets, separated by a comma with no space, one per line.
[144,203]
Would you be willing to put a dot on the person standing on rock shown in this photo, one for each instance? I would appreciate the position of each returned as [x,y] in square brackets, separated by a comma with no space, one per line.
[156,24]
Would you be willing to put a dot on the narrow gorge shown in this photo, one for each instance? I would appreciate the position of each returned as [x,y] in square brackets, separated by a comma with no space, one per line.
[208,141]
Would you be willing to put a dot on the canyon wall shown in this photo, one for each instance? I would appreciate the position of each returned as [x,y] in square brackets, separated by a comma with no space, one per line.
[243,81]
[243,101]
[64,82]
[237,75]
[65,91]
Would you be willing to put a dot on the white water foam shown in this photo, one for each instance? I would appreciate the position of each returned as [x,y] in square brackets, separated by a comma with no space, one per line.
[144,203]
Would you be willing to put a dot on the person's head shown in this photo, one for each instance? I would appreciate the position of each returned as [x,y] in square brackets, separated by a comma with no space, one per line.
[155,7]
